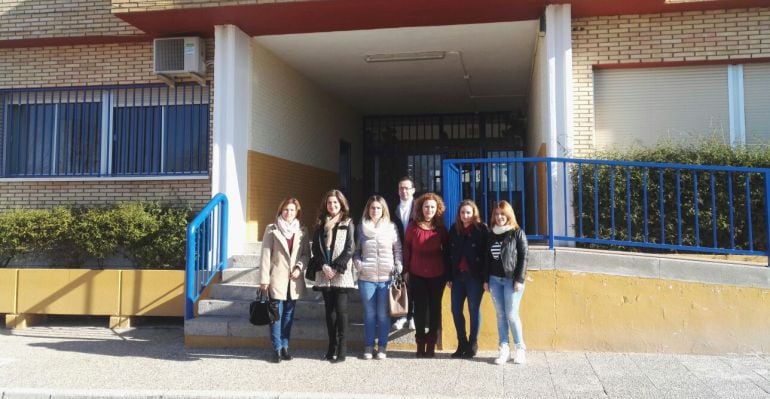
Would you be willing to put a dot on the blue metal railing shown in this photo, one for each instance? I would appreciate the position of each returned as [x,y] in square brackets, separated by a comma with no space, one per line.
[206,250]
[659,206]
[93,131]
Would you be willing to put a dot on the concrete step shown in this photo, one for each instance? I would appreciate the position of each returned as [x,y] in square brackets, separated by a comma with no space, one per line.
[241,275]
[248,261]
[305,330]
[304,310]
[238,332]
[233,291]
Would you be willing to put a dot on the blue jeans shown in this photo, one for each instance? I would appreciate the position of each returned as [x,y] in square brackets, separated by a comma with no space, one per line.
[464,286]
[374,296]
[280,331]
[507,308]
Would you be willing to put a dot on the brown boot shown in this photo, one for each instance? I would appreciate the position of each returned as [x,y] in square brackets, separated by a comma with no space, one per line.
[430,349]
[420,339]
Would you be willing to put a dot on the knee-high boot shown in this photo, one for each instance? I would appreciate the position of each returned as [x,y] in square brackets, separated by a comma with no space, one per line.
[430,349]
[421,342]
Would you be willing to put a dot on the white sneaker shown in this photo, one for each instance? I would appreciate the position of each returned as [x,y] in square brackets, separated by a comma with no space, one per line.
[381,355]
[411,325]
[504,354]
[399,324]
[520,356]
[368,353]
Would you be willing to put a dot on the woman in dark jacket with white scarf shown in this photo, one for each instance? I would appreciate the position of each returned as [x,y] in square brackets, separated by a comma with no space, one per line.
[506,268]
[332,267]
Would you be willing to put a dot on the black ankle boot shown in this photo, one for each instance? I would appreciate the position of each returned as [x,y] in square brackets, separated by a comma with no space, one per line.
[462,348]
[276,358]
[471,350]
[285,354]
[331,352]
[342,350]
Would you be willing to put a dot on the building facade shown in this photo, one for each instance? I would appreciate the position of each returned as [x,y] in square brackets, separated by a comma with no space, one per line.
[291,87]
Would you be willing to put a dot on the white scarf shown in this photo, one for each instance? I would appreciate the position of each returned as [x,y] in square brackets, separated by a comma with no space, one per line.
[501,229]
[370,229]
[328,226]
[286,228]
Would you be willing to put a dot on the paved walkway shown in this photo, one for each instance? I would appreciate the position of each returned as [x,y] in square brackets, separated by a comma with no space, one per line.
[73,362]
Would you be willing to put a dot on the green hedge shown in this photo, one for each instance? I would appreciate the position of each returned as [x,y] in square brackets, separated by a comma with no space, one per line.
[148,234]
[708,153]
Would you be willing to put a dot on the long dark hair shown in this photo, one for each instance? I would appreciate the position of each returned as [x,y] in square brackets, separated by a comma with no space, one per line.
[323,213]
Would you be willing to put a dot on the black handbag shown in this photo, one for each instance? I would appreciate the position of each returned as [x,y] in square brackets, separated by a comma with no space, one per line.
[312,269]
[263,311]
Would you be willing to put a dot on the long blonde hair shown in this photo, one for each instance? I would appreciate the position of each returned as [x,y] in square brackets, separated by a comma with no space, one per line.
[381,201]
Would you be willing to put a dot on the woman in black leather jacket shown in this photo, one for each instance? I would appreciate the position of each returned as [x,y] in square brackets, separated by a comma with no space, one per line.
[506,267]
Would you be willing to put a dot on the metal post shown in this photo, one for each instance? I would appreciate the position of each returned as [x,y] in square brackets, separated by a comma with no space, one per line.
[549,180]
[189,288]
[767,214]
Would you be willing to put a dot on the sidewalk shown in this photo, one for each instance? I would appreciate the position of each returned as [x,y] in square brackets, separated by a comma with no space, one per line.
[151,362]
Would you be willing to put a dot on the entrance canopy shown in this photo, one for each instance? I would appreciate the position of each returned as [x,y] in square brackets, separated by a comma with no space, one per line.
[438,69]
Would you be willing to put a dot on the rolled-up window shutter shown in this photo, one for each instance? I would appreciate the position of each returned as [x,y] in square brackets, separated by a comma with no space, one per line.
[644,106]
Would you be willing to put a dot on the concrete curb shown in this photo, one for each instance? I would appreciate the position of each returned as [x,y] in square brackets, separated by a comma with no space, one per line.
[37,393]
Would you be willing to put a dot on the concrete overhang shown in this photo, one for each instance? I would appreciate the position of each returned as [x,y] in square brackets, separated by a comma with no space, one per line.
[341,15]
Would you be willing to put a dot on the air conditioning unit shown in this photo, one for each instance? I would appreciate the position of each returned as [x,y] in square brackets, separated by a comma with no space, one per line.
[179,56]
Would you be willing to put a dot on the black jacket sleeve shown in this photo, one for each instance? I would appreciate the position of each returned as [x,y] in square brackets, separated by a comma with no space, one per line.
[340,264]
[521,256]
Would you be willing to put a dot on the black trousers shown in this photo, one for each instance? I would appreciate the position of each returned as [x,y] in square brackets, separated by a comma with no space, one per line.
[427,293]
[336,306]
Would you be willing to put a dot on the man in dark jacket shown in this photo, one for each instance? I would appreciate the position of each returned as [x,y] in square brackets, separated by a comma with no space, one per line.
[400,215]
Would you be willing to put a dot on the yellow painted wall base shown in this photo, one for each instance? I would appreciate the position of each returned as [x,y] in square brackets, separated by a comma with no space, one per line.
[272,179]
[119,294]
[564,310]
[18,321]
[120,322]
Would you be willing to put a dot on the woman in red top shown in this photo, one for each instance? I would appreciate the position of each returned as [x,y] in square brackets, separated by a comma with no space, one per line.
[425,243]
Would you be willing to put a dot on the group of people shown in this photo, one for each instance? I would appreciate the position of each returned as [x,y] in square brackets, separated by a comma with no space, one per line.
[411,241]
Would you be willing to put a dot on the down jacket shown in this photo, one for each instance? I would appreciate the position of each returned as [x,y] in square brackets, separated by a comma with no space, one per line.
[378,251]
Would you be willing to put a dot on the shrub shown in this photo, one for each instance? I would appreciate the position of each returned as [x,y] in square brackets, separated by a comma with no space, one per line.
[165,246]
[31,230]
[100,233]
[663,227]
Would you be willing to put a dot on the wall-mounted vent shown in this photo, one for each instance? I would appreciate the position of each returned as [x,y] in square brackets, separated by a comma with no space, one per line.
[179,56]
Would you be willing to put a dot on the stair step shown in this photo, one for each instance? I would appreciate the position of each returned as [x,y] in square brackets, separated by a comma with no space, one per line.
[232,291]
[244,261]
[218,326]
[304,310]
[241,275]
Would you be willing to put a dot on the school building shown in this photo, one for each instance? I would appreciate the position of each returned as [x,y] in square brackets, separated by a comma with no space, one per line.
[174,101]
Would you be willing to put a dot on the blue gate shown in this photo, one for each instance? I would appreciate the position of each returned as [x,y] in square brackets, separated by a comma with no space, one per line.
[658,206]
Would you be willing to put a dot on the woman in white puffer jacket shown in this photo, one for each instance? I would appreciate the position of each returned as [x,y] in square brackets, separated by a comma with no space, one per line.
[377,257]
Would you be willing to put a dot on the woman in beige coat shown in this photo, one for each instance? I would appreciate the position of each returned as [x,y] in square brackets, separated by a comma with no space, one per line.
[285,252]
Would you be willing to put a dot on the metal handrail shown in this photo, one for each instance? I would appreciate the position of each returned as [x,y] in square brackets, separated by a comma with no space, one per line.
[206,250]
[625,205]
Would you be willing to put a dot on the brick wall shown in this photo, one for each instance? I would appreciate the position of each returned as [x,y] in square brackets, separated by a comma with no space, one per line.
[33,19]
[90,65]
[155,5]
[46,194]
[682,36]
